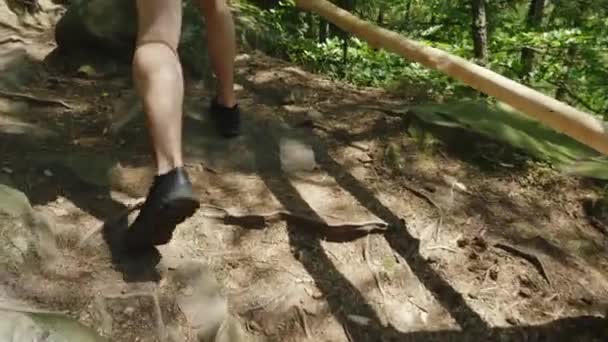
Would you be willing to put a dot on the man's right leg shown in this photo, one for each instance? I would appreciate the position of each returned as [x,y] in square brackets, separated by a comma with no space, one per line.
[221,43]
[158,78]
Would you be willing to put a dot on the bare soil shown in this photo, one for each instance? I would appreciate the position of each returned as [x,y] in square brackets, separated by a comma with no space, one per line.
[325,221]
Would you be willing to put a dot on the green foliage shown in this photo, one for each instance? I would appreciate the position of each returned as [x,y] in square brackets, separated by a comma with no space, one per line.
[571,48]
[500,122]
[570,52]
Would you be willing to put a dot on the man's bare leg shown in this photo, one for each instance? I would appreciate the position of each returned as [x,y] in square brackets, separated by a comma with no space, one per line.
[159,81]
[221,43]
[158,78]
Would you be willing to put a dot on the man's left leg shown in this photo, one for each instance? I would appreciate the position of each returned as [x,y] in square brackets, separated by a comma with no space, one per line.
[158,78]
[221,43]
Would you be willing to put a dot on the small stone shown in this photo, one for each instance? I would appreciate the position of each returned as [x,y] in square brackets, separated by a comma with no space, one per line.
[129,310]
[365,159]
[462,243]
[512,320]
[188,291]
[524,293]
[315,115]
[60,212]
[243,58]
[480,244]
[493,274]
[7,170]
[361,320]
[48,173]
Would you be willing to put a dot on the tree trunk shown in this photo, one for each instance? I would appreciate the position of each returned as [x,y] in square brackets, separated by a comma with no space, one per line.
[380,20]
[311,31]
[408,11]
[561,93]
[480,31]
[323,26]
[579,125]
[534,22]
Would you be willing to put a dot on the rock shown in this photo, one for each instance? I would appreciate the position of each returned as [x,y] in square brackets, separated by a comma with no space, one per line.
[108,26]
[25,233]
[17,326]
[98,24]
[201,302]
[296,156]
[205,308]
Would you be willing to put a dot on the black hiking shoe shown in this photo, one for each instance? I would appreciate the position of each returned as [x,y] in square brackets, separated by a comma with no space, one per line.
[227,119]
[170,202]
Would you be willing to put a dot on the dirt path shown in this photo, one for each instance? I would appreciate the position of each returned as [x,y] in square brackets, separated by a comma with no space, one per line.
[323,222]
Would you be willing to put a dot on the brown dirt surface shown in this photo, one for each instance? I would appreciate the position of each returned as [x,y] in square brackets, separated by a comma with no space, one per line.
[325,221]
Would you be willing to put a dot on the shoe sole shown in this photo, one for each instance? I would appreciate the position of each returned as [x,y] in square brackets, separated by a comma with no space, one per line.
[170,216]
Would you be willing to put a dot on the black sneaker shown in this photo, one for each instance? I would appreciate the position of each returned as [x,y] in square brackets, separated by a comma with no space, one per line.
[170,202]
[227,119]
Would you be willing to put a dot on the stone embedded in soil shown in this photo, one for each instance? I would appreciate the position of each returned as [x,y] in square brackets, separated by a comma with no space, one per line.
[22,327]
[25,232]
[205,307]
[296,156]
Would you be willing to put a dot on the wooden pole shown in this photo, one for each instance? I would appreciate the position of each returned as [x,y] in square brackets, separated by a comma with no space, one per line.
[581,126]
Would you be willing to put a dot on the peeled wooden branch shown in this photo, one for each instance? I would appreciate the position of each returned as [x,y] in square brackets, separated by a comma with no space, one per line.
[579,125]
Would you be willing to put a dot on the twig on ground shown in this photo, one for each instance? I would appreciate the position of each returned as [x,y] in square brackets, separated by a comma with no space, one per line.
[367,258]
[280,268]
[422,194]
[599,225]
[160,324]
[347,333]
[11,39]
[531,258]
[267,303]
[420,307]
[302,315]
[10,26]
[445,248]
[31,98]
[333,255]
[128,295]
[99,228]
[30,310]
[264,218]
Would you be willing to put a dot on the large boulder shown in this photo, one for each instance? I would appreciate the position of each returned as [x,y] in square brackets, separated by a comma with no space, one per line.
[109,27]
[106,25]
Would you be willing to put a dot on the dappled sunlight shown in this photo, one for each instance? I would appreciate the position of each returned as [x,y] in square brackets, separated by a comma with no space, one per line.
[340,213]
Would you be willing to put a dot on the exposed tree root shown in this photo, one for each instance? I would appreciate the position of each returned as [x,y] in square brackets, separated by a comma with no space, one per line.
[260,221]
[31,98]
[531,258]
[11,39]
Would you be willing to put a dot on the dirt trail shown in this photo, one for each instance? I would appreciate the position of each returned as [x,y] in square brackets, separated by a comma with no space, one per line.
[323,222]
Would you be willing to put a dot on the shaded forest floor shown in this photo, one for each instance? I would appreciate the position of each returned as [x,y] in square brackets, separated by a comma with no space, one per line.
[323,222]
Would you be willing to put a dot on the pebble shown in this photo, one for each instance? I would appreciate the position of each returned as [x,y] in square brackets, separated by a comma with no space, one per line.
[188,291]
[48,173]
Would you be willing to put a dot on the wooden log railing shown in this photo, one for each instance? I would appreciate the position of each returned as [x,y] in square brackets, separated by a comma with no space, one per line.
[581,126]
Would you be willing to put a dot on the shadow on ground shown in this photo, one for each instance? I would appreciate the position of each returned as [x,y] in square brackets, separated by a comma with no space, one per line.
[343,297]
